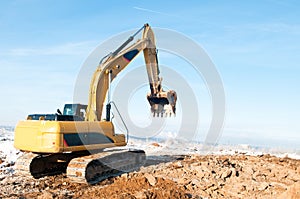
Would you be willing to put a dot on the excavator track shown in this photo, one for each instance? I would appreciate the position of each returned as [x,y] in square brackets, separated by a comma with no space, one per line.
[97,167]
[22,165]
[80,167]
[40,165]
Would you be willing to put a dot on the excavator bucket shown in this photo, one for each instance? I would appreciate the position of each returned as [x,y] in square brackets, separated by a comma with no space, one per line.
[163,103]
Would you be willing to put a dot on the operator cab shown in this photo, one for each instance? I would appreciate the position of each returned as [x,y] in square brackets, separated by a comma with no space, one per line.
[72,112]
[75,110]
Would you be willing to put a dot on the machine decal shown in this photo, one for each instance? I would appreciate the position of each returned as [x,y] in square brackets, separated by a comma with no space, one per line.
[65,143]
[79,139]
[130,55]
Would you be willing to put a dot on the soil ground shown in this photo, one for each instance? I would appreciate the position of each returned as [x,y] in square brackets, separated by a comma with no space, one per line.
[195,176]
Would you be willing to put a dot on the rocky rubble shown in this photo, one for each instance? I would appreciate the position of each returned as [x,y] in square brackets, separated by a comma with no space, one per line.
[236,176]
[195,176]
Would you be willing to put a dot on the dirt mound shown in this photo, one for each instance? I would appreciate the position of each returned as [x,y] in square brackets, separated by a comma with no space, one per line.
[293,192]
[138,186]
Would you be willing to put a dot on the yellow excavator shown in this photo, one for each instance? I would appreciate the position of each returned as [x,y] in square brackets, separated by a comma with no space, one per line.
[78,141]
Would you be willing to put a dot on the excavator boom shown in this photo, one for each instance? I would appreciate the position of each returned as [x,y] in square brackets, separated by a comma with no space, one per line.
[161,102]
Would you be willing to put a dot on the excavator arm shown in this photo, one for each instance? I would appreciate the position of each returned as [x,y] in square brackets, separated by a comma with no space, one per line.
[161,102]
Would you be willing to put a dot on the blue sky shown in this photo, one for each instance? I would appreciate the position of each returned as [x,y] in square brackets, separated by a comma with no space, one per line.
[255,46]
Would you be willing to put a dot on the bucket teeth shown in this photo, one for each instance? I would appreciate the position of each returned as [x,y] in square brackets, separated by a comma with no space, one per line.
[163,104]
[159,110]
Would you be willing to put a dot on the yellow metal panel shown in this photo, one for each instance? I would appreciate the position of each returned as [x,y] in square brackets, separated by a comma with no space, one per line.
[104,127]
[38,136]
[48,136]
[27,135]
[71,126]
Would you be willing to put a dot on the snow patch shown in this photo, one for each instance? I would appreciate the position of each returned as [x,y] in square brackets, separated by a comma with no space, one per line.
[173,146]
[8,154]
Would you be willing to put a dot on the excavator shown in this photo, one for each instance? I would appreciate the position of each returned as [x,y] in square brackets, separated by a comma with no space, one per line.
[78,141]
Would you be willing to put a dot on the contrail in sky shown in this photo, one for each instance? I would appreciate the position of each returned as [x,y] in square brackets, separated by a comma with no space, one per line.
[148,10]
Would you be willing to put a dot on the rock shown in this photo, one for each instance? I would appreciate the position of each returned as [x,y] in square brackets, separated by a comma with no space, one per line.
[178,165]
[196,182]
[140,195]
[183,181]
[293,192]
[155,144]
[250,187]
[256,174]
[190,187]
[263,186]
[226,174]
[151,179]
[234,172]
[247,170]
[200,175]
[226,162]
[45,195]
[241,187]
[5,181]
[195,167]
[124,175]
